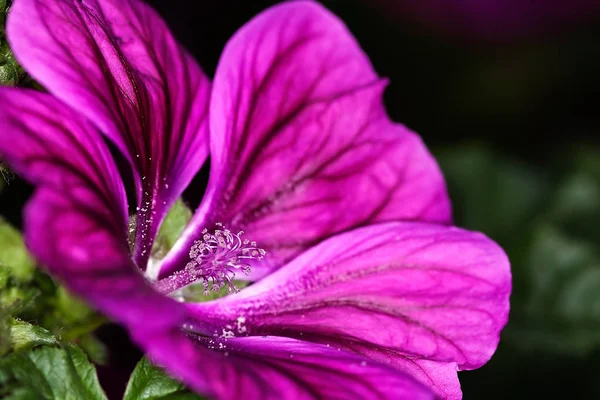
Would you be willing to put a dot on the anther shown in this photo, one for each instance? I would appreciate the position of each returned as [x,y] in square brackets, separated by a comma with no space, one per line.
[217,258]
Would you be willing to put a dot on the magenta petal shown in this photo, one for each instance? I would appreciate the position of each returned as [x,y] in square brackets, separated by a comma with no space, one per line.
[76,243]
[405,290]
[37,131]
[439,377]
[301,146]
[117,63]
[76,223]
[94,265]
[271,368]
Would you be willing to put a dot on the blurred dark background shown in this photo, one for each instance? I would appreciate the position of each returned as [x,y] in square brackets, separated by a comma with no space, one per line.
[514,120]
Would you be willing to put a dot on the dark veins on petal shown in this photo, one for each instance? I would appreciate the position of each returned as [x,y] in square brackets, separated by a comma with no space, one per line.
[321,168]
[300,133]
[147,125]
[309,376]
[74,178]
[442,297]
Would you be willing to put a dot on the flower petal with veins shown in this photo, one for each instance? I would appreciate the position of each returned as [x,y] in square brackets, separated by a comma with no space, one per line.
[76,225]
[117,63]
[303,151]
[273,368]
[392,292]
[299,133]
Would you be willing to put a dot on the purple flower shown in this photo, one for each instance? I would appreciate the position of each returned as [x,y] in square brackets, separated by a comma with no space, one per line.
[366,292]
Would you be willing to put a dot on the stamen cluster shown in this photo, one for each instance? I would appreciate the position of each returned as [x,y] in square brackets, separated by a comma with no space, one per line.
[219,256]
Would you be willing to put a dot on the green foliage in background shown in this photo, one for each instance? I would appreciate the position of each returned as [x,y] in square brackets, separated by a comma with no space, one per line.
[546,220]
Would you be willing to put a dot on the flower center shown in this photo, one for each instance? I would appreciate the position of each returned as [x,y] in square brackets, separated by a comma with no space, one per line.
[217,258]
[215,261]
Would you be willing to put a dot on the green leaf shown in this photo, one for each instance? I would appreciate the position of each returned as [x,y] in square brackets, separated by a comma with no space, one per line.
[94,348]
[14,255]
[23,393]
[25,336]
[40,368]
[53,372]
[149,382]
[171,228]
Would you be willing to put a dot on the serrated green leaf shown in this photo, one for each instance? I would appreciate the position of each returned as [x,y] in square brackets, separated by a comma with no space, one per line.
[14,255]
[149,382]
[25,336]
[53,372]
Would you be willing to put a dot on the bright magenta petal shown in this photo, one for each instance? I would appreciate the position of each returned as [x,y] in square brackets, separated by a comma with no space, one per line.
[301,146]
[439,377]
[76,223]
[116,62]
[394,290]
[50,145]
[77,243]
[272,368]
[74,245]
